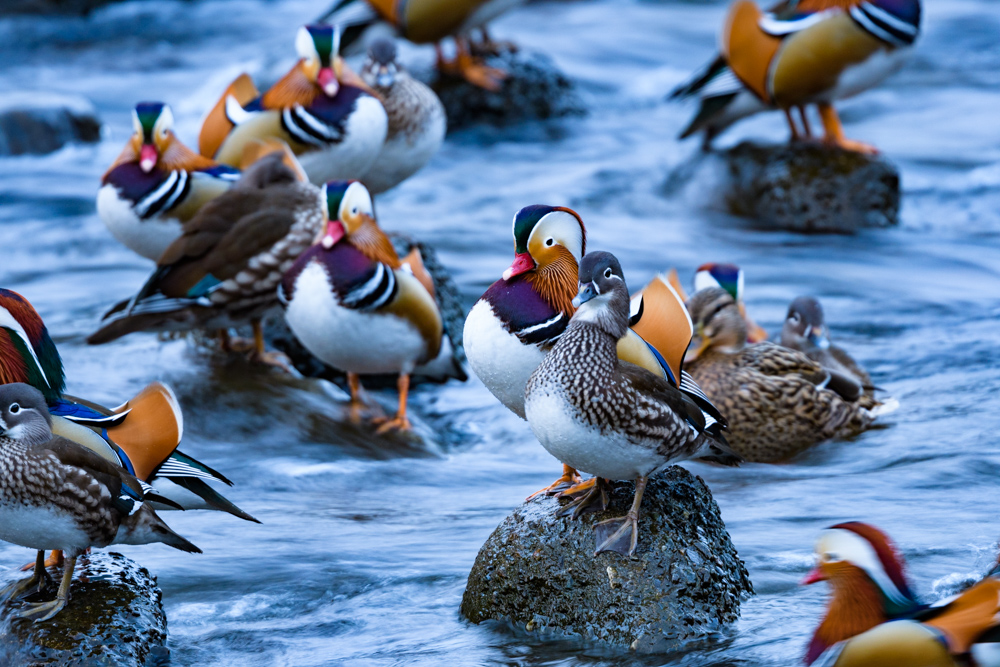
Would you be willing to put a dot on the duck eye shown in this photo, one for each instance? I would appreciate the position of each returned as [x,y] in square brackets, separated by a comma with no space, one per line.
[549,241]
[354,210]
[14,408]
[607,272]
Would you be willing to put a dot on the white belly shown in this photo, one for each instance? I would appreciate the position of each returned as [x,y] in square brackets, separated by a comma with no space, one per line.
[609,455]
[41,528]
[498,358]
[364,135]
[148,238]
[405,154]
[869,73]
[353,341]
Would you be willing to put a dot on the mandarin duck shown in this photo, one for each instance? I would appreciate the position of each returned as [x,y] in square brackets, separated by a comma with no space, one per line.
[730,278]
[805,330]
[516,322]
[874,620]
[224,270]
[55,494]
[431,21]
[157,184]
[611,418]
[778,401]
[417,121]
[331,120]
[354,305]
[802,52]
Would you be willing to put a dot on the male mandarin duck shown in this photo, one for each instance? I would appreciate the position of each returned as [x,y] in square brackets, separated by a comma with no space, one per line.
[874,620]
[224,270]
[730,278]
[778,401]
[805,330]
[431,21]
[55,494]
[157,184]
[516,322]
[333,122]
[802,52]
[417,121]
[611,418]
[353,304]
[141,435]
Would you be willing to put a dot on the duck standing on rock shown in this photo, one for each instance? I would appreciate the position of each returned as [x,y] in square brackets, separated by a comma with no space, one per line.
[224,270]
[333,122]
[353,304]
[801,52]
[874,620]
[778,401]
[157,184]
[417,121]
[55,494]
[613,419]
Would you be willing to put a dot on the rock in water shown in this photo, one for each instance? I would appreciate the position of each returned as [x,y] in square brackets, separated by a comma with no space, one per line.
[36,122]
[812,188]
[534,90]
[114,617]
[686,581]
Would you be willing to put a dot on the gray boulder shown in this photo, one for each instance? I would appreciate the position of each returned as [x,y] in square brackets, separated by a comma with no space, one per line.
[37,122]
[811,188]
[114,618]
[538,571]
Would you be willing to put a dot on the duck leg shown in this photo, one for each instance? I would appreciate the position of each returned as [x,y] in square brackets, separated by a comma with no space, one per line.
[259,353]
[470,68]
[622,534]
[36,583]
[569,479]
[55,559]
[834,132]
[591,496]
[43,611]
[806,127]
[399,422]
[796,135]
[357,405]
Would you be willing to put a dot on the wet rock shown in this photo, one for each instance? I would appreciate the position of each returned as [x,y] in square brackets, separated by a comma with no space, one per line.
[538,572]
[535,90]
[811,188]
[36,122]
[114,618]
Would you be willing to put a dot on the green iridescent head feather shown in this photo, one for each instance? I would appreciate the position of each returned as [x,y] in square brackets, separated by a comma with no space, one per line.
[148,113]
[526,219]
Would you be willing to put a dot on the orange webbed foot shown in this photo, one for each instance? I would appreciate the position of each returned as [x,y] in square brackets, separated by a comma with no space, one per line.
[569,479]
[55,559]
[399,424]
[852,145]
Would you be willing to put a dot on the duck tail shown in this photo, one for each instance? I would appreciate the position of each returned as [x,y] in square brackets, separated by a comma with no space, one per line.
[145,527]
[151,431]
[218,124]
[259,148]
[885,407]
[717,450]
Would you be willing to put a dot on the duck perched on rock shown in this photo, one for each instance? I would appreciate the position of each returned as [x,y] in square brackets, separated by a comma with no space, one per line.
[801,53]
[730,278]
[874,619]
[352,302]
[224,270]
[157,184]
[613,419]
[778,401]
[330,118]
[55,494]
[417,122]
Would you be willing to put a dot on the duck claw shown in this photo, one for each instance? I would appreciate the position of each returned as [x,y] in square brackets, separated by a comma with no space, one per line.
[619,535]
[42,611]
[593,500]
[569,480]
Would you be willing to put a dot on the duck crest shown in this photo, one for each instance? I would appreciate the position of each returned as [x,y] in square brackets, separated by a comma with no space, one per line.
[27,353]
[293,88]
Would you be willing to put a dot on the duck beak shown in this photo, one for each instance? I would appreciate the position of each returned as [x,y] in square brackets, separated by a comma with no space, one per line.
[148,157]
[523,263]
[385,78]
[817,336]
[814,576]
[334,232]
[327,80]
[586,293]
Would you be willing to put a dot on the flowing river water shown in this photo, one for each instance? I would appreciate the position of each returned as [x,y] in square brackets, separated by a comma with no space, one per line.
[365,545]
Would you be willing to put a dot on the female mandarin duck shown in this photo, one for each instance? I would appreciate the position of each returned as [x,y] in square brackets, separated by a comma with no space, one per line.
[730,278]
[224,270]
[802,52]
[612,418]
[874,620]
[352,303]
[157,184]
[431,21]
[417,121]
[778,401]
[516,322]
[140,435]
[331,120]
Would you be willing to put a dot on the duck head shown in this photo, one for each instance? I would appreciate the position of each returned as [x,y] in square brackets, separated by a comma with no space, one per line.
[717,322]
[730,278]
[549,242]
[380,69]
[602,295]
[804,328]
[867,579]
[318,47]
[153,133]
[348,208]
[24,417]
[27,353]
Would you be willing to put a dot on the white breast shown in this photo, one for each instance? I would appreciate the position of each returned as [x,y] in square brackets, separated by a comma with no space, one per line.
[364,135]
[148,238]
[41,528]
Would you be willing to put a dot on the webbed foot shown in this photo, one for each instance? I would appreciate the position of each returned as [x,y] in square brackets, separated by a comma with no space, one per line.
[620,535]
[592,496]
[42,611]
[569,479]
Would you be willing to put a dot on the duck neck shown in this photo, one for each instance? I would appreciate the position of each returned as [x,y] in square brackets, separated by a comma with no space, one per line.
[856,607]
[556,281]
